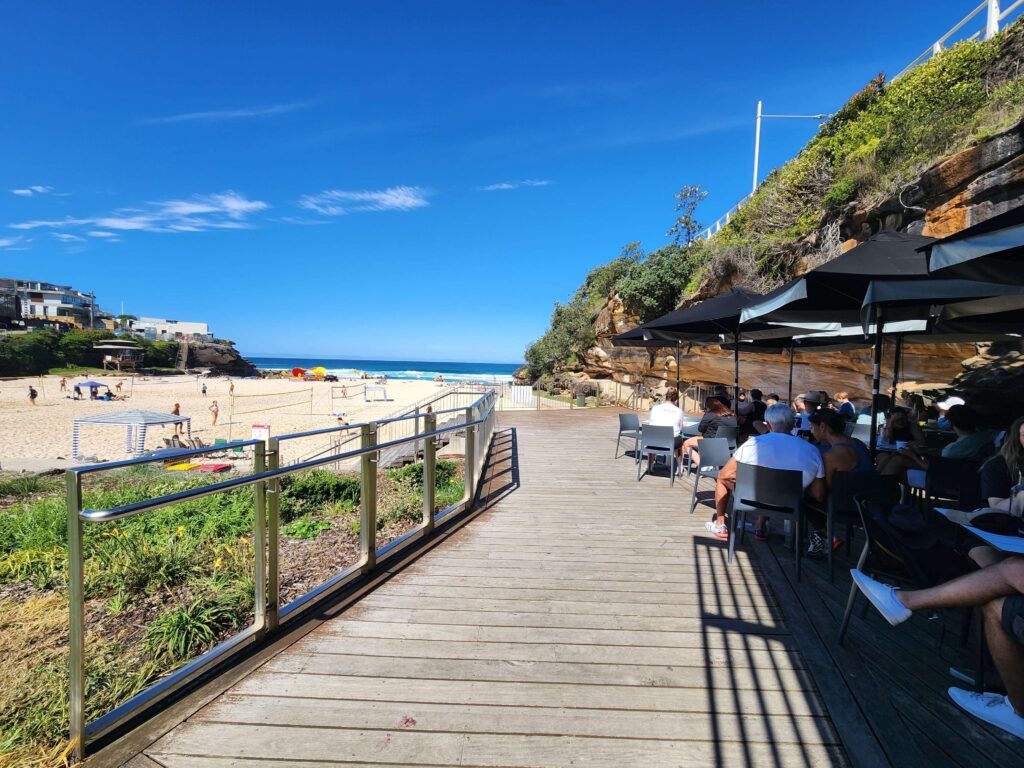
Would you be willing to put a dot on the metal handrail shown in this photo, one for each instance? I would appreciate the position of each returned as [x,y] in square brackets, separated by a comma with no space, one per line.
[478,424]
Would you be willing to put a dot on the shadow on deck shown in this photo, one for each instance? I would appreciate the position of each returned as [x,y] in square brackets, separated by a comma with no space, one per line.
[580,618]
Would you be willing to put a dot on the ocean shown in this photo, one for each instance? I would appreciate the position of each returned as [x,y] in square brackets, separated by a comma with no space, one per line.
[394,369]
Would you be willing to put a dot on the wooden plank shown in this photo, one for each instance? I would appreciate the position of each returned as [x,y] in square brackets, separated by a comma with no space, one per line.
[581,673]
[724,701]
[405,746]
[446,718]
[701,657]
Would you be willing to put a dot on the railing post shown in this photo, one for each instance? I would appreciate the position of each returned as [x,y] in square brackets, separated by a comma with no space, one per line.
[273,537]
[76,622]
[368,498]
[259,536]
[992,20]
[470,458]
[429,473]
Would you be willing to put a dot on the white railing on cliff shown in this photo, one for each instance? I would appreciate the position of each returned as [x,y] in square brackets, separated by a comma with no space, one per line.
[995,18]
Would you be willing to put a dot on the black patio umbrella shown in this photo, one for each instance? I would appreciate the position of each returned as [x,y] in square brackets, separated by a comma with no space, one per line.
[635,338]
[991,251]
[713,321]
[948,298]
[833,293]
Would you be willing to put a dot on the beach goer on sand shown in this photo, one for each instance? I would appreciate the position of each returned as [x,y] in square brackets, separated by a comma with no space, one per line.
[778,449]
[118,386]
[215,410]
[176,411]
[76,393]
[999,590]
[63,384]
[203,390]
[32,395]
[231,388]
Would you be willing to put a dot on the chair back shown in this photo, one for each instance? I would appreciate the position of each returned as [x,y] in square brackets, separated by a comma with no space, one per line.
[713,452]
[661,438]
[935,440]
[728,433]
[847,486]
[628,422]
[956,479]
[861,432]
[765,489]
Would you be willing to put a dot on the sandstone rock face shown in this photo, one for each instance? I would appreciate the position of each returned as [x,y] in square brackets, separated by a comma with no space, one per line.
[963,190]
[220,358]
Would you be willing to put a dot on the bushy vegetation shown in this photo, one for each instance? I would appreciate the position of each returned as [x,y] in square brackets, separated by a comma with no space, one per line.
[873,148]
[160,587]
[37,352]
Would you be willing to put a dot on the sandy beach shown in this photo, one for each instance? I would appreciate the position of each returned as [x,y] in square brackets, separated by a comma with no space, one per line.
[32,437]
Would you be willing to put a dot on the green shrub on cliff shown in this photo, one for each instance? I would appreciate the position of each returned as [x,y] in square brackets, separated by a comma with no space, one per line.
[872,148]
[26,354]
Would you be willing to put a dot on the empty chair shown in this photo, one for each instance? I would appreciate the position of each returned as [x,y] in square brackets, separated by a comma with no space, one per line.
[729,433]
[841,505]
[629,427]
[654,442]
[954,480]
[861,432]
[713,454]
[770,492]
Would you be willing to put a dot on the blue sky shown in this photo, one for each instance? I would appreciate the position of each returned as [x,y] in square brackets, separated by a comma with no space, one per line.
[404,180]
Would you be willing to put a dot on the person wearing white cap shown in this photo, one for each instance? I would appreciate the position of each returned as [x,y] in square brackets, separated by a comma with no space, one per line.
[945,405]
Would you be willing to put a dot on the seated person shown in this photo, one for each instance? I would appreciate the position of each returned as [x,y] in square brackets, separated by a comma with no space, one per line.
[722,394]
[944,406]
[998,589]
[668,414]
[899,428]
[753,421]
[970,443]
[805,405]
[715,416]
[845,406]
[771,400]
[1003,474]
[778,449]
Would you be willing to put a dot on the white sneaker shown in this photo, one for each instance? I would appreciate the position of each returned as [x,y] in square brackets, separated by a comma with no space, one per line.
[991,707]
[883,597]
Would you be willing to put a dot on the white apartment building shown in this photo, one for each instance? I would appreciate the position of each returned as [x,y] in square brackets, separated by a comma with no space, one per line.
[159,329]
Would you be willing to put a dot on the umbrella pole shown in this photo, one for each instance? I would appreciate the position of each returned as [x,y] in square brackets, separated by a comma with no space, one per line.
[897,363]
[876,379]
[736,367]
[678,344]
[790,373]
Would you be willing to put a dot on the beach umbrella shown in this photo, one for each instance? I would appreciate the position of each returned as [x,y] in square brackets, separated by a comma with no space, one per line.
[91,384]
[298,372]
[991,251]
[318,372]
[713,321]
[945,298]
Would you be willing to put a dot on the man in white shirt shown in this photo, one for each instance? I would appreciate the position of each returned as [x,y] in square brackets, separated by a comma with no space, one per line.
[777,449]
[669,414]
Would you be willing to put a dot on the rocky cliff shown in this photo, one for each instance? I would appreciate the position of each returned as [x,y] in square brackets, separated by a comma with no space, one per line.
[219,358]
[964,189]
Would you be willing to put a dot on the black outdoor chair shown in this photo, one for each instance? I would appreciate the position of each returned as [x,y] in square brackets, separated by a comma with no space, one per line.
[841,505]
[713,453]
[629,427]
[771,492]
[654,442]
[954,481]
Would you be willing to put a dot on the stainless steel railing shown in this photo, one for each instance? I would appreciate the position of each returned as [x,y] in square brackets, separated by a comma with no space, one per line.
[477,422]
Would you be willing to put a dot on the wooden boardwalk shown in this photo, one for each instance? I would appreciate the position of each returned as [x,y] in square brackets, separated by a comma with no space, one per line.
[583,619]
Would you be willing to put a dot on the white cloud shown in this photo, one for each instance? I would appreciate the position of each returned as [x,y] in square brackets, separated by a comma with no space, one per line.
[218,115]
[516,184]
[223,210]
[67,237]
[338,202]
[14,243]
[35,189]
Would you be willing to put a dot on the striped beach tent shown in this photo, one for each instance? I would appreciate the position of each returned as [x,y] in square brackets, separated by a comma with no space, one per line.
[135,423]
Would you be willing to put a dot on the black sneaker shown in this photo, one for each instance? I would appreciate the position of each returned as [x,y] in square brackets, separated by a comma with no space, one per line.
[816,547]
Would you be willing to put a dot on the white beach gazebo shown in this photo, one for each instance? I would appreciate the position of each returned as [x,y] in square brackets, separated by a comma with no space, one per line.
[136,423]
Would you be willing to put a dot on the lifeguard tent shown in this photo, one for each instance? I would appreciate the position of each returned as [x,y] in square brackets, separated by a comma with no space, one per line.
[135,423]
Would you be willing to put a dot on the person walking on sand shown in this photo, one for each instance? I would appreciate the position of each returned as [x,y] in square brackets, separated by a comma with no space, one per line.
[215,410]
[231,388]
[176,411]
[32,394]
[63,384]
[204,389]
[118,387]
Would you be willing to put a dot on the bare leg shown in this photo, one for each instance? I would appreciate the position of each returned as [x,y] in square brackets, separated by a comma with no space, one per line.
[723,487]
[984,586]
[1007,654]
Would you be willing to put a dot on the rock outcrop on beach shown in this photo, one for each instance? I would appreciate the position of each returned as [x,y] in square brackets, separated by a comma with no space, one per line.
[219,358]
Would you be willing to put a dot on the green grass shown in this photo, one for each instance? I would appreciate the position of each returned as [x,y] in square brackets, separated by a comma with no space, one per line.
[192,563]
[74,370]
